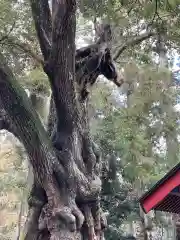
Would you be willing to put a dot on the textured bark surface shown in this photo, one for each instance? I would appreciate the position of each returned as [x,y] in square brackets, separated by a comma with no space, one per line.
[65,199]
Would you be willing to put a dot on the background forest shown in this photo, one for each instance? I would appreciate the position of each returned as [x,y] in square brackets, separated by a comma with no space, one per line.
[136,125]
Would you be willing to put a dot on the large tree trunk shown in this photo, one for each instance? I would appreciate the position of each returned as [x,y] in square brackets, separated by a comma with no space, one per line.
[65,198]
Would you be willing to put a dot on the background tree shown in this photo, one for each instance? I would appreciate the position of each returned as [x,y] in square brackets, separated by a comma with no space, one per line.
[66,181]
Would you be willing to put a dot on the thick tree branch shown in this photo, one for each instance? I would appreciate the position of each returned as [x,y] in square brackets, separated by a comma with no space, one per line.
[61,65]
[26,122]
[132,42]
[42,18]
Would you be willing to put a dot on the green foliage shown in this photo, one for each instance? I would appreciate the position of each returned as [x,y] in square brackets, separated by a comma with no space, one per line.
[36,81]
[133,133]
[17,30]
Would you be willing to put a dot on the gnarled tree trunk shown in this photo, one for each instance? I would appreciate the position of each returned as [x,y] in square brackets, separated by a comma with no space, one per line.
[65,199]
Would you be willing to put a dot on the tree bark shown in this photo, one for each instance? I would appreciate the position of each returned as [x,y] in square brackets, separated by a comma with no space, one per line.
[64,202]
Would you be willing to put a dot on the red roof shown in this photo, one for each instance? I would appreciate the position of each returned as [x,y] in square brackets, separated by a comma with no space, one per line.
[165,195]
